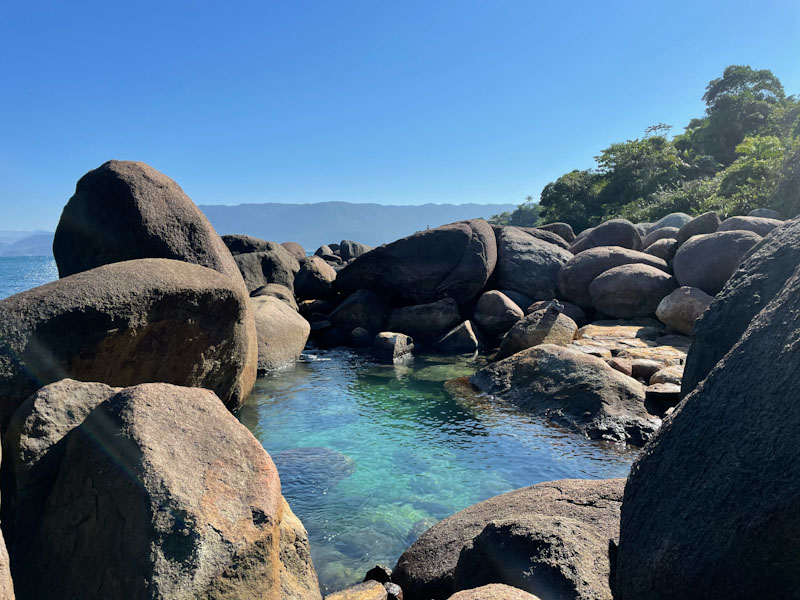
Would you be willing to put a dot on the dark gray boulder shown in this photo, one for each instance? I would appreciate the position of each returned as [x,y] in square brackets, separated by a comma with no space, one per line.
[759,225]
[361,309]
[454,261]
[495,313]
[546,326]
[462,339]
[528,265]
[616,232]
[542,235]
[282,333]
[276,290]
[663,249]
[127,323]
[550,539]
[767,213]
[677,219]
[295,250]
[630,291]
[315,280]
[239,243]
[572,389]
[425,321]
[349,249]
[710,507]
[390,347]
[324,250]
[706,223]
[576,276]
[564,230]
[573,311]
[658,234]
[681,309]
[707,261]
[762,274]
[273,264]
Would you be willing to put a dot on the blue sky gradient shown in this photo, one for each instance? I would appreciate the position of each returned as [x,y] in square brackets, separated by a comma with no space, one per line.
[361,101]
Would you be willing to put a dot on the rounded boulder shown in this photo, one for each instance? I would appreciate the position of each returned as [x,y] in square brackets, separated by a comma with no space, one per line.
[630,291]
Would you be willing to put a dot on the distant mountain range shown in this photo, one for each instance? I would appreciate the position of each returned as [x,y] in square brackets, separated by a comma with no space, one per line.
[26,243]
[312,225]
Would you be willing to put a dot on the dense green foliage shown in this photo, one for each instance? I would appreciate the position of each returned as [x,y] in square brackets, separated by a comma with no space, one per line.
[525,215]
[744,153]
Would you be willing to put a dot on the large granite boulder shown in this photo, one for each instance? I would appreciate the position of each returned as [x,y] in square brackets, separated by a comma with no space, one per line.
[273,264]
[576,276]
[616,232]
[572,389]
[548,325]
[659,234]
[127,323]
[677,219]
[550,539]
[425,321]
[710,507]
[707,261]
[125,210]
[191,492]
[682,308]
[759,225]
[630,291]
[282,333]
[349,249]
[765,212]
[663,249]
[239,243]
[314,280]
[496,313]
[276,290]
[493,591]
[295,250]
[762,274]
[706,223]
[361,309]
[454,261]
[528,265]
[564,230]
[540,234]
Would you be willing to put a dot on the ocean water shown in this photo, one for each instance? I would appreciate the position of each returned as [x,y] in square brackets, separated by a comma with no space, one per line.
[19,273]
[371,456]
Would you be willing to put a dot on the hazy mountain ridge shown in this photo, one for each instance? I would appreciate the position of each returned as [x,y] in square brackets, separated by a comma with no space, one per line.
[26,243]
[312,225]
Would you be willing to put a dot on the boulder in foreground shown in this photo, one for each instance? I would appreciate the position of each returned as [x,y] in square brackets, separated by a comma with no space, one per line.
[551,540]
[127,323]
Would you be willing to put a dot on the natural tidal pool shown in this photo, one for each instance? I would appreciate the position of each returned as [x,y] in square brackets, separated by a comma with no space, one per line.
[371,456]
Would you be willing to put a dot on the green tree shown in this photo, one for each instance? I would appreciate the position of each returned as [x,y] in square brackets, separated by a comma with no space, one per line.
[572,198]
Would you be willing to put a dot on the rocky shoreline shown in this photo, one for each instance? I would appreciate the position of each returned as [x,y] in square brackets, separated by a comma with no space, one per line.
[126,475]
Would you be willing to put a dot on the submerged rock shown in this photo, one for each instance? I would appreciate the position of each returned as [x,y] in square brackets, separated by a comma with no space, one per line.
[314,470]
[550,539]
[128,323]
[573,389]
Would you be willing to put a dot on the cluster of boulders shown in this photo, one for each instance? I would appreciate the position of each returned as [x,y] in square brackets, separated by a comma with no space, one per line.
[124,472]
[709,508]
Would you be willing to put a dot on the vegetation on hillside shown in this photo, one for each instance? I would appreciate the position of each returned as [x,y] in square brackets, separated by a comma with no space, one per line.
[744,153]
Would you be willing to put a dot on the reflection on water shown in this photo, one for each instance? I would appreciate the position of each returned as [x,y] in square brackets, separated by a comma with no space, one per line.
[371,456]
[20,273]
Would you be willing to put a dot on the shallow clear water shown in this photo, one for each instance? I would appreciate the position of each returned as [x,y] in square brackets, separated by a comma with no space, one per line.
[371,456]
[19,273]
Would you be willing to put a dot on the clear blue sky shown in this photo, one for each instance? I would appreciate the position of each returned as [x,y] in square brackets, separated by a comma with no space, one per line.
[363,101]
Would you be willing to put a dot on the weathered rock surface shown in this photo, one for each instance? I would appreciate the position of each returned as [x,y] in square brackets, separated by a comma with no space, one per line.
[349,249]
[243,244]
[273,264]
[295,250]
[758,225]
[673,374]
[616,232]
[696,526]
[425,321]
[630,291]
[496,313]
[390,347]
[125,210]
[462,339]
[577,275]
[707,261]
[369,590]
[546,326]
[361,309]
[276,290]
[528,265]
[564,230]
[297,574]
[315,470]
[663,249]
[761,276]
[573,311]
[128,323]
[705,223]
[521,300]
[314,280]
[493,591]
[6,583]
[282,333]
[540,234]
[191,492]
[659,234]
[573,389]
[677,219]
[767,213]
[550,539]
[682,308]
[454,260]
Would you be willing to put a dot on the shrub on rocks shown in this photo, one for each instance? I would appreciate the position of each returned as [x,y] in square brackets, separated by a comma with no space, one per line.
[572,389]
[682,308]
[127,323]
[707,261]
[630,291]
[454,260]
[616,232]
[576,276]
[550,539]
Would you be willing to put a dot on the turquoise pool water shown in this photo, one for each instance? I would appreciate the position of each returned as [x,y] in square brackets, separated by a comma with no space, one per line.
[371,456]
